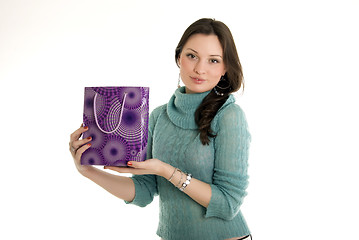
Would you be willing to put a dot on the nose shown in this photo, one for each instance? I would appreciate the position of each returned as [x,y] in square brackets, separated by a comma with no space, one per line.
[199,68]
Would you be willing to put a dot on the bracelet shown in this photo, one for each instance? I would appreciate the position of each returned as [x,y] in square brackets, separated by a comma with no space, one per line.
[172,174]
[179,183]
[187,182]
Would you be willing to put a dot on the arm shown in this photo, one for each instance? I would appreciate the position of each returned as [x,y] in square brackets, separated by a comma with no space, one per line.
[224,195]
[138,190]
[197,190]
[230,178]
[121,187]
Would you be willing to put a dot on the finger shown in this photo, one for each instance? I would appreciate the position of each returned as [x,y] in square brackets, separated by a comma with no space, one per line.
[79,143]
[134,167]
[81,150]
[140,165]
[76,135]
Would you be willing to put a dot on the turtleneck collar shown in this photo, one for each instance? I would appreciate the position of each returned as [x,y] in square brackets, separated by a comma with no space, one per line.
[182,106]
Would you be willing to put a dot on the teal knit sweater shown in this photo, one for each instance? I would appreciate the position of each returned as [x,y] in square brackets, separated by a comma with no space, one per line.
[174,139]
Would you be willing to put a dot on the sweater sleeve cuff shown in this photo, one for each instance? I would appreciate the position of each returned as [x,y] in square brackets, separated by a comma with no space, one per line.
[220,206]
[215,208]
[142,197]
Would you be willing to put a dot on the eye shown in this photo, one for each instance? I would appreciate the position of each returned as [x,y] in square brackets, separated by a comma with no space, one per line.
[190,55]
[214,61]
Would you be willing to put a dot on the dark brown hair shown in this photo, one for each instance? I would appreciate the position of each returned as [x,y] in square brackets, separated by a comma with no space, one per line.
[232,80]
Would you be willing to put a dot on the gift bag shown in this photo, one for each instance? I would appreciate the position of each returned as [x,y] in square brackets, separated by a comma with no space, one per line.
[117,118]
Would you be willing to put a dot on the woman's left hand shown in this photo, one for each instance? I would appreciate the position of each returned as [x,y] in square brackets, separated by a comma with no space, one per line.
[150,166]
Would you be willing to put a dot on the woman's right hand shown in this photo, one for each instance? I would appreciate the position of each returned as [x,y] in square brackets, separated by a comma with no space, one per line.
[78,147]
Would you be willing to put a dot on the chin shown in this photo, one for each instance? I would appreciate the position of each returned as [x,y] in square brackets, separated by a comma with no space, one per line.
[196,89]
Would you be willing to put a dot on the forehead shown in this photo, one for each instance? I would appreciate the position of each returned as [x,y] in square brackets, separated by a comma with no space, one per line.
[204,44]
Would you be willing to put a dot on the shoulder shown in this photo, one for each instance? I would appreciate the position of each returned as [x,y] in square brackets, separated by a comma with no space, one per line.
[230,108]
[230,113]
[158,110]
[156,113]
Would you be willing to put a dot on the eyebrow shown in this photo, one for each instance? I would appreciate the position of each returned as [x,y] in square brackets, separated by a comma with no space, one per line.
[213,55]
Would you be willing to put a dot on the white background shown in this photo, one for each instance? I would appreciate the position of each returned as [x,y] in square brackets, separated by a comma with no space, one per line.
[300,60]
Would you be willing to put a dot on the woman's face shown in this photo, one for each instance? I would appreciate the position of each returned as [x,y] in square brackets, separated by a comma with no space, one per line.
[201,63]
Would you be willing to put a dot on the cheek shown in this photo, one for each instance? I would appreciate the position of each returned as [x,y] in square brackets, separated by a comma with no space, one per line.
[216,80]
[186,65]
[217,72]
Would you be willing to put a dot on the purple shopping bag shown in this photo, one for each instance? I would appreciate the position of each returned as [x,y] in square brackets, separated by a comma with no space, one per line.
[117,118]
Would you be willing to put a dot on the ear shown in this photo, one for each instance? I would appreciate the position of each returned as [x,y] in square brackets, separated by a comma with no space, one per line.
[179,61]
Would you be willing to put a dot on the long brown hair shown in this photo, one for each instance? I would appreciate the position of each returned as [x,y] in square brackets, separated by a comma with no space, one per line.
[231,81]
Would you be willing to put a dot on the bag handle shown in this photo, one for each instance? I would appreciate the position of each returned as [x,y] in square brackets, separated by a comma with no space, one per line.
[119,122]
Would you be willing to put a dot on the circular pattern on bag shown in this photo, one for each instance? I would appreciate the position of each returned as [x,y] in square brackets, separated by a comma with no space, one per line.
[103,104]
[133,126]
[92,157]
[137,154]
[115,150]
[134,97]
[112,119]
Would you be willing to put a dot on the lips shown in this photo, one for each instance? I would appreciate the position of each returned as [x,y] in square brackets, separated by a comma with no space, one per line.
[197,80]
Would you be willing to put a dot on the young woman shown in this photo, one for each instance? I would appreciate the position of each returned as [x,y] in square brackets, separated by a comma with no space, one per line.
[197,148]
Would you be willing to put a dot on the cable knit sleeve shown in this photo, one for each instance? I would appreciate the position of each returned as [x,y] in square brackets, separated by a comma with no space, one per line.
[146,185]
[230,177]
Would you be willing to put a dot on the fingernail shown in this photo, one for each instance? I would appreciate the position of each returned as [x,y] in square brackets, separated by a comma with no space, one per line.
[129,163]
[89,144]
[89,138]
[86,127]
